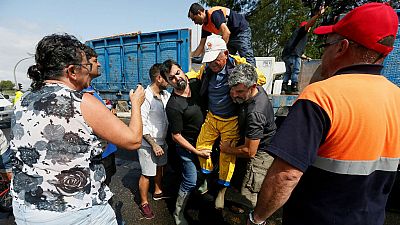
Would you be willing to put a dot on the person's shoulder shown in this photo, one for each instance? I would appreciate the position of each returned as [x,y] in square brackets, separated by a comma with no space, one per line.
[174,103]
[166,93]
[261,100]
[148,93]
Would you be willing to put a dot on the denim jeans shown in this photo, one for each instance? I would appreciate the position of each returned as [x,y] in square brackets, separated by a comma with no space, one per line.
[189,171]
[292,64]
[96,215]
[241,43]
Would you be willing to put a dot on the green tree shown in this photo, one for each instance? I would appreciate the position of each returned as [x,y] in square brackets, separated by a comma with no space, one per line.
[273,21]
[6,85]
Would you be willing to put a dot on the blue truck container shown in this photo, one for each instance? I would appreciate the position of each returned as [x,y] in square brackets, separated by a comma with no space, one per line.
[126,59]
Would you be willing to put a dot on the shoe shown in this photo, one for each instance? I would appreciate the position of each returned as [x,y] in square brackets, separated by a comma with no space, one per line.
[285,88]
[160,196]
[295,88]
[203,188]
[180,208]
[220,200]
[146,211]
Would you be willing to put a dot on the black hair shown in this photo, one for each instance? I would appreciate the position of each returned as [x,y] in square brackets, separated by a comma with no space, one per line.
[154,71]
[53,54]
[195,9]
[89,52]
[166,67]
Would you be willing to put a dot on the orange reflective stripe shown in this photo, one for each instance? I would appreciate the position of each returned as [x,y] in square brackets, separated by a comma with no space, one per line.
[210,27]
[364,112]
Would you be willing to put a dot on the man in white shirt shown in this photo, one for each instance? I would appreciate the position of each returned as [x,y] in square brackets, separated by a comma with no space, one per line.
[153,152]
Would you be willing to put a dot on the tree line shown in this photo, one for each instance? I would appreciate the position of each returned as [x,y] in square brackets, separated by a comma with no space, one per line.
[273,21]
[9,85]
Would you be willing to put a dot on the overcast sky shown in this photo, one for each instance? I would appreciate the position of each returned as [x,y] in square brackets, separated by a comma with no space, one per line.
[24,23]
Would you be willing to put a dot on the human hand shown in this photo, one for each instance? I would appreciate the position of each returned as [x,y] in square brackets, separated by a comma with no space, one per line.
[322,10]
[158,150]
[6,176]
[137,96]
[225,146]
[204,153]
[114,111]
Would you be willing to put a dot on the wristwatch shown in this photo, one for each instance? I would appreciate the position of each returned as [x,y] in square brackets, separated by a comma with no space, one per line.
[251,219]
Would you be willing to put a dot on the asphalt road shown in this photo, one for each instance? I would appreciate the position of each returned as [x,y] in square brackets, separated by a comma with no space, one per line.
[200,208]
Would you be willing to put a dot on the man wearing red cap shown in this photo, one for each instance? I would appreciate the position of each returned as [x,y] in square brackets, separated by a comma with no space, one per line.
[294,51]
[337,152]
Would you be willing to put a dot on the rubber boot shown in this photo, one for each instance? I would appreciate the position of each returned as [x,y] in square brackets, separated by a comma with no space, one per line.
[295,88]
[180,208]
[220,200]
[203,187]
[284,88]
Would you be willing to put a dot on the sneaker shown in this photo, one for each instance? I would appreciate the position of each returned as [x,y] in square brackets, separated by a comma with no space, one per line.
[146,211]
[160,196]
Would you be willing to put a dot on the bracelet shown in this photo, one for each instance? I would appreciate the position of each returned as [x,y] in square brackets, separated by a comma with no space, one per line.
[251,219]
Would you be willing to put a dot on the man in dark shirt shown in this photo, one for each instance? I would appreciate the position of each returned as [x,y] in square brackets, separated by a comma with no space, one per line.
[294,51]
[337,152]
[185,115]
[232,26]
[256,127]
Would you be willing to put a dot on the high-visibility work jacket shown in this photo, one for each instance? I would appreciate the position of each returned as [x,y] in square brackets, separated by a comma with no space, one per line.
[210,26]
[364,136]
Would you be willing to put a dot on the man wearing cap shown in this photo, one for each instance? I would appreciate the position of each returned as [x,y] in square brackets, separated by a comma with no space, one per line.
[232,26]
[339,161]
[293,52]
[221,119]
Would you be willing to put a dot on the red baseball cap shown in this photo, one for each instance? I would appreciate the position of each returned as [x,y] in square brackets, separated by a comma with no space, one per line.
[303,23]
[366,25]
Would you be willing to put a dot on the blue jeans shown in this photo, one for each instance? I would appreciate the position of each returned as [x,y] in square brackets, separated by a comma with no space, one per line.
[189,171]
[241,43]
[292,64]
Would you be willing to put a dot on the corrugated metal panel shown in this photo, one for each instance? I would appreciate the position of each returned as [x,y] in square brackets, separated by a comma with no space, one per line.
[391,68]
[126,59]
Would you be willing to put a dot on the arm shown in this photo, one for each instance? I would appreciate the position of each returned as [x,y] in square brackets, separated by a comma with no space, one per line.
[225,32]
[313,19]
[109,127]
[156,148]
[178,138]
[247,150]
[278,185]
[200,48]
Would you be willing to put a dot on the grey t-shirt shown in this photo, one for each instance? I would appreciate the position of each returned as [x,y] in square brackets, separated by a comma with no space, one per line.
[256,119]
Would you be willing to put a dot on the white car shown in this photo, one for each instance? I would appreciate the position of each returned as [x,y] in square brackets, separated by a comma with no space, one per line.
[6,110]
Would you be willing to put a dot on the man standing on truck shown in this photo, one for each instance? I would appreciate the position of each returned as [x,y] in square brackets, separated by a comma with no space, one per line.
[293,52]
[337,152]
[153,152]
[232,26]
